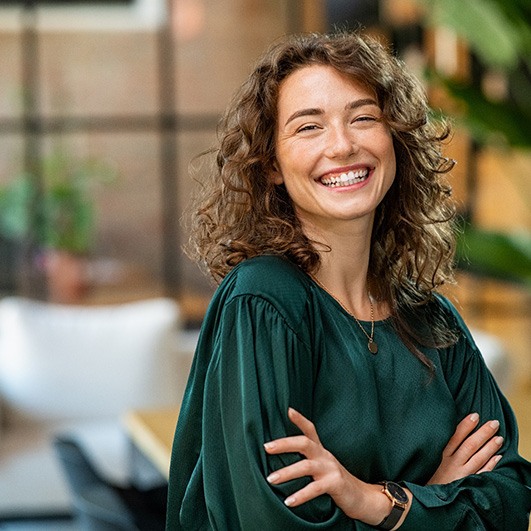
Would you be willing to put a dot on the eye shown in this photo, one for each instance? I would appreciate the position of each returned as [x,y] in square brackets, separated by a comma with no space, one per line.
[365,118]
[308,127]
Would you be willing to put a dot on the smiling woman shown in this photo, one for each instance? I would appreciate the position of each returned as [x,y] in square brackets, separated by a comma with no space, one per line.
[332,387]
[334,151]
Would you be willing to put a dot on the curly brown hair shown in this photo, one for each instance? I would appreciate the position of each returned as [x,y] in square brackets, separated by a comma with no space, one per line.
[242,213]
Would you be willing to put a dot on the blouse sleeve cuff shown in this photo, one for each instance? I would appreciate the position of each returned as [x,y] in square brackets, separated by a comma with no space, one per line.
[430,504]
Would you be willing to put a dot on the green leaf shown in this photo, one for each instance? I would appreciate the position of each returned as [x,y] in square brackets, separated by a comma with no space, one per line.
[482,23]
[485,117]
[15,204]
[495,254]
[61,214]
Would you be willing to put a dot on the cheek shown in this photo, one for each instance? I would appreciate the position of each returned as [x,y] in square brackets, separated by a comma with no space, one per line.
[390,173]
[392,164]
[294,161]
[389,156]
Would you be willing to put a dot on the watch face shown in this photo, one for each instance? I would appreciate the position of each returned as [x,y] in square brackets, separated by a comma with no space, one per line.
[397,492]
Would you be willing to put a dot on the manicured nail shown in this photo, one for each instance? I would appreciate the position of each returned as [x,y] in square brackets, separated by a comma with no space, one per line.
[497,458]
[269,445]
[494,424]
[499,441]
[474,417]
[289,501]
[272,477]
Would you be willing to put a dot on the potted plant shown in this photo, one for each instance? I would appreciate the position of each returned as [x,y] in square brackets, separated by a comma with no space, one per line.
[56,214]
[499,35]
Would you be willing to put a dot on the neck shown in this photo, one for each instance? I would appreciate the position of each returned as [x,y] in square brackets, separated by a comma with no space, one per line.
[345,253]
[344,264]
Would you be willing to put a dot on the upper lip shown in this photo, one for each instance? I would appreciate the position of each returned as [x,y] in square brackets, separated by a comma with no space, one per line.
[344,169]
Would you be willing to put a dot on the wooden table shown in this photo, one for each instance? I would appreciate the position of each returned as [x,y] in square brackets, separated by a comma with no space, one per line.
[152,432]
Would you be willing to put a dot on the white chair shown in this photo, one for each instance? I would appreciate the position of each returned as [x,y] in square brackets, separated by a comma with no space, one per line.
[78,369]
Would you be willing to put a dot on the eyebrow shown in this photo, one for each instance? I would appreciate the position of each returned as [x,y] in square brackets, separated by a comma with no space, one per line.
[316,111]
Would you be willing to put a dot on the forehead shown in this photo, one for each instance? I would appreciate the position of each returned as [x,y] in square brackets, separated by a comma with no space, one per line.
[320,85]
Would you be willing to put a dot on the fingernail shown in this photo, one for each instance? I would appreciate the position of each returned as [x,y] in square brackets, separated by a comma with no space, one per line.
[272,477]
[494,424]
[474,417]
[269,445]
[289,501]
[497,458]
[499,440]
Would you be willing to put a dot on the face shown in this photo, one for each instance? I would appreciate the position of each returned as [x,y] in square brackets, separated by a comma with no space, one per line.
[334,152]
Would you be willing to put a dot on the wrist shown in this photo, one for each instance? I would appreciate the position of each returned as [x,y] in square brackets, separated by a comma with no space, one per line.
[373,506]
[400,500]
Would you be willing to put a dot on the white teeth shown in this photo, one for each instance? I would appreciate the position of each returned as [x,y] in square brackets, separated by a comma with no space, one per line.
[346,179]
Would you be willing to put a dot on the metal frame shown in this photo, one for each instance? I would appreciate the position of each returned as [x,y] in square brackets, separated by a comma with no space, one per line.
[34,126]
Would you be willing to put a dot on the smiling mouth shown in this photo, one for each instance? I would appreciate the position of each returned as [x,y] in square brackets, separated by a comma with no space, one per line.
[346,179]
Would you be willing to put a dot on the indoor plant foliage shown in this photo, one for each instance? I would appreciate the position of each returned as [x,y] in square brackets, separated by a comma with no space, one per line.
[55,213]
[57,210]
[499,36]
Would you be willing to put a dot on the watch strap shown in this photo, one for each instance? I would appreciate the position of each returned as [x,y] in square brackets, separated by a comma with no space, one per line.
[391,519]
[396,511]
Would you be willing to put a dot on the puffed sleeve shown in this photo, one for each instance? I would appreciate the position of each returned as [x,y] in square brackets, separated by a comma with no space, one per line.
[261,364]
[498,500]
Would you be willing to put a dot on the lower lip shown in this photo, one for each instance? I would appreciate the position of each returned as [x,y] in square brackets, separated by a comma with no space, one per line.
[350,187]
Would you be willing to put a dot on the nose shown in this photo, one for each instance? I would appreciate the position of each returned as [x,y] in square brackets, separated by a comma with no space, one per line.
[340,142]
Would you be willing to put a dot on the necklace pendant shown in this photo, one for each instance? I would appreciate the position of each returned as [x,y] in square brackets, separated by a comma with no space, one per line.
[372,346]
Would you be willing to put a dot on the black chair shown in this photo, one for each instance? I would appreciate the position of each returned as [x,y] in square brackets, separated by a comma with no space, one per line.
[101,506]
[10,251]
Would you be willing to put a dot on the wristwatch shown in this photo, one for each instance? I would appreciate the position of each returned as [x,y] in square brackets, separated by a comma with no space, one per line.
[398,498]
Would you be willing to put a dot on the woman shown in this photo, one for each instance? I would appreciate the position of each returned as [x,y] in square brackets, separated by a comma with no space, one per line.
[326,363]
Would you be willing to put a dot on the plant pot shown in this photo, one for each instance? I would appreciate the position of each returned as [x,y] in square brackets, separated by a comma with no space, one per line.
[66,275]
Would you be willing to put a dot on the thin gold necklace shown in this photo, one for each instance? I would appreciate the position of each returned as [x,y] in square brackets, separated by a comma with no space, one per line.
[371,345]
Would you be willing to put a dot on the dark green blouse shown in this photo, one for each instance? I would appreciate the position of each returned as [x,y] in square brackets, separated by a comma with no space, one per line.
[271,339]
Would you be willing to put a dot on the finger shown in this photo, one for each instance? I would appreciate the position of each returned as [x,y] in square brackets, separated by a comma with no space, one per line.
[306,426]
[464,428]
[296,470]
[475,441]
[297,443]
[493,461]
[482,456]
[311,491]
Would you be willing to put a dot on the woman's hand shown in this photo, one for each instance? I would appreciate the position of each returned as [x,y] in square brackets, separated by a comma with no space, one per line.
[467,454]
[358,500]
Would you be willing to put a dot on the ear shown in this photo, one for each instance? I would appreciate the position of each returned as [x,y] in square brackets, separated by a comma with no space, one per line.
[275,175]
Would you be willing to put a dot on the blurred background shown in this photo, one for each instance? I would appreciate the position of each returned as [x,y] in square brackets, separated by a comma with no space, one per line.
[104,104]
